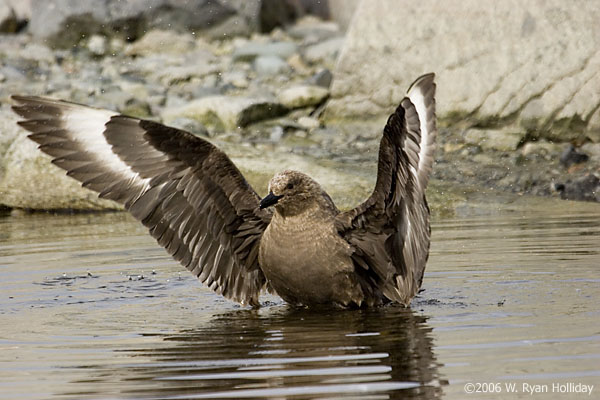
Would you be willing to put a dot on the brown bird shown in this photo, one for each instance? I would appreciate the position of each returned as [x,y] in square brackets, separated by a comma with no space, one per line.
[197,204]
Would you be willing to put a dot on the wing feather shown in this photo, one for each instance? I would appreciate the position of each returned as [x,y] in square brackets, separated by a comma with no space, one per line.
[390,231]
[190,196]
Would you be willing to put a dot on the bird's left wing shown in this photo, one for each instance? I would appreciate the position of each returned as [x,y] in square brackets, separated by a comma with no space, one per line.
[190,195]
[390,232]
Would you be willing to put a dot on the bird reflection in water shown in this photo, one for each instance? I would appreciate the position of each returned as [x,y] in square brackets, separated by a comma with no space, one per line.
[282,352]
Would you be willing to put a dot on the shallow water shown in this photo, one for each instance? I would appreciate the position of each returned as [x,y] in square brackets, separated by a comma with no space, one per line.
[91,307]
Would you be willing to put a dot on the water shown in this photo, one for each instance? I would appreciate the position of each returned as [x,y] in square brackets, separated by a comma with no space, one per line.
[91,308]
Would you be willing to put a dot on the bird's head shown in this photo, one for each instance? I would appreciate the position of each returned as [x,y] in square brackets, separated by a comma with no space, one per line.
[291,192]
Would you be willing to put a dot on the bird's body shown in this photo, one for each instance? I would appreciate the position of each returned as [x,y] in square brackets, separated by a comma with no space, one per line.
[306,261]
[294,242]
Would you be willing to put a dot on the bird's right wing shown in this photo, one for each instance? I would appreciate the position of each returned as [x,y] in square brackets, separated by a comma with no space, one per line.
[189,194]
[390,232]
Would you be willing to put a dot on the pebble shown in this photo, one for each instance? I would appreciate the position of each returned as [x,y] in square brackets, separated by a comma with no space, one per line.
[97,45]
[270,65]
[309,122]
[324,51]
[252,50]
[571,156]
[322,78]
[303,96]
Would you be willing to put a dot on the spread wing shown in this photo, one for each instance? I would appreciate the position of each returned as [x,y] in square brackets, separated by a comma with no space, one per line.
[189,194]
[390,231]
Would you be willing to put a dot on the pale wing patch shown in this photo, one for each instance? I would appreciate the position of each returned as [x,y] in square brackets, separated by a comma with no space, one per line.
[421,95]
[418,99]
[86,126]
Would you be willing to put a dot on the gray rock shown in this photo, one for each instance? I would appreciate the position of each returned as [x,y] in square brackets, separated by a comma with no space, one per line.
[308,123]
[322,78]
[541,61]
[235,25]
[585,188]
[21,8]
[593,149]
[324,51]
[501,140]
[542,148]
[571,156]
[237,78]
[63,23]
[264,15]
[303,96]
[161,41]
[593,128]
[270,65]
[276,134]
[97,45]
[342,11]
[182,73]
[8,18]
[251,50]
[223,113]
[311,30]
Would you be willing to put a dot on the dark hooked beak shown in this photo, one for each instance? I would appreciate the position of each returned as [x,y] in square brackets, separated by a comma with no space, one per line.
[269,200]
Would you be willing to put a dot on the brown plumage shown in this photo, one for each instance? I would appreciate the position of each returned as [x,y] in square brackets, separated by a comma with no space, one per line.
[197,204]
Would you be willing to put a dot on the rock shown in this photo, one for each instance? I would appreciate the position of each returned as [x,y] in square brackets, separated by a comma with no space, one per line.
[190,125]
[274,13]
[238,79]
[38,52]
[593,149]
[249,51]
[324,51]
[270,65]
[161,41]
[541,148]
[303,96]
[308,123]
[276,134]
[586,188]
[63,23]
[21,8]
[492,63]
[571,156]
[322,78]
[225,113]
[28,180]
[593,128]
[171,75]
[342,11]
[298,65]
[501,140]
[235,25]
[310,30]
[97,45]
[136,107]
[265,15]
[8,18]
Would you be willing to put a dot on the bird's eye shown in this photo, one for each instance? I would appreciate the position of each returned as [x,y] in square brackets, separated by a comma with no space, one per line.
[290,186]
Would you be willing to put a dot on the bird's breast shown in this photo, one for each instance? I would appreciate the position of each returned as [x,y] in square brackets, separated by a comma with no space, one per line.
[307,261]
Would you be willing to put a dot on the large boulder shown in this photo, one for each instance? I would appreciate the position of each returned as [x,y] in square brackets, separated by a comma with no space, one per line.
[8,18]
[62,23]
[534,64]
